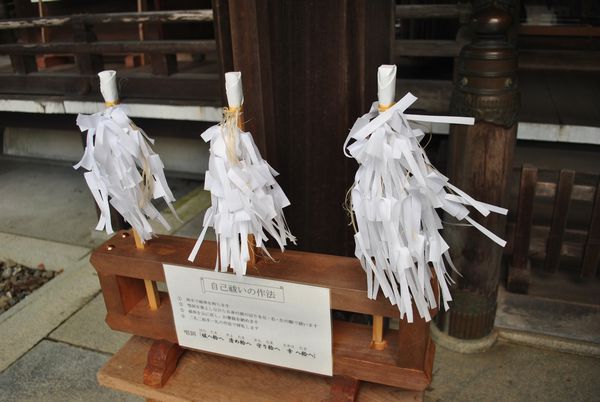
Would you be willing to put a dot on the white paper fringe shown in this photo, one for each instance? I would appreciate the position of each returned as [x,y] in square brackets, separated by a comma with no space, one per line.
[116,152]
[394,197]
[246,199]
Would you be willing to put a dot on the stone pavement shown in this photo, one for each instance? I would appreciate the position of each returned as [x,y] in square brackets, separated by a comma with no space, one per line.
[53,342]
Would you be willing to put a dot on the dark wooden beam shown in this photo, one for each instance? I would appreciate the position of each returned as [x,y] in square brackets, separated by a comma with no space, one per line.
[427,48]
[174,16]
[197,87]
[159,46]
[154,127]
[428,11]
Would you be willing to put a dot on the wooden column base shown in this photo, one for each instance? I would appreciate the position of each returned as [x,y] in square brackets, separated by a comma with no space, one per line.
[162,362]
[472,315]
[344,389]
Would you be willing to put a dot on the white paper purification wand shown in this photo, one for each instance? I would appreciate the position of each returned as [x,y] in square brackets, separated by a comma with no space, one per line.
[247,202]
[394,199]
[123,171]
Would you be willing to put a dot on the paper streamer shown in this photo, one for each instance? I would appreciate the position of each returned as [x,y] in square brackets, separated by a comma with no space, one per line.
[246,199]
[123,170]
[394,199]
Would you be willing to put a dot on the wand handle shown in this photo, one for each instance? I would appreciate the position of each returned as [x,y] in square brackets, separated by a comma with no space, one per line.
[151,288]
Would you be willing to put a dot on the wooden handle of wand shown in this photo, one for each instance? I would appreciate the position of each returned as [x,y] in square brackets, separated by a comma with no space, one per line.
[151,288]
[377,341]
[251,240]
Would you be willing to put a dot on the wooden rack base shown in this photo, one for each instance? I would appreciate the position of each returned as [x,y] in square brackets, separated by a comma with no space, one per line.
[200,376]
[406,361]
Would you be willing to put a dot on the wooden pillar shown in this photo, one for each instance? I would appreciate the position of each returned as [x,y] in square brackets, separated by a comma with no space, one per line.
[481,159]
[309,70]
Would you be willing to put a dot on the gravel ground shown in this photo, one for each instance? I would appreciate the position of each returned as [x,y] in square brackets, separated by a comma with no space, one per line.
[18,281]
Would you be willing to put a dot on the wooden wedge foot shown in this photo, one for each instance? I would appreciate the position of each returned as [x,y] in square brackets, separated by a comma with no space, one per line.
[344,389]
[162,362]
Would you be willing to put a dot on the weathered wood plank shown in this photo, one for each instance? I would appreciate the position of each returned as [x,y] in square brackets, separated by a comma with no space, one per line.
[426,48]
[433,95]
[579,192]
[524,216]
[158,46]
[428,11]
[591,253]
[518,273]
[577,60]
[559,219]
[200,87]
[572,246]
[174,16]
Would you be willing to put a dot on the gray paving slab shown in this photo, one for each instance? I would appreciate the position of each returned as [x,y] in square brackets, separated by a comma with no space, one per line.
[189,208]
[45,310]
[87,328]
[512,372]
[576,321]
[32,252]
[46,202]
[52,202]
[193,227]
[54,371]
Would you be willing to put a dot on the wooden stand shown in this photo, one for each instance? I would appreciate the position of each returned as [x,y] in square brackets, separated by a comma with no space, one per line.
[406,362]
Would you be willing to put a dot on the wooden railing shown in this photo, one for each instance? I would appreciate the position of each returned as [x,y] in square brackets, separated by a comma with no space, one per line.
[557,225]
[434,95]
[77,80]
[163,82]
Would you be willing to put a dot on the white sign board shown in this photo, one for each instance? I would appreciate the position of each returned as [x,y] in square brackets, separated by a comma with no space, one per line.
[274,322]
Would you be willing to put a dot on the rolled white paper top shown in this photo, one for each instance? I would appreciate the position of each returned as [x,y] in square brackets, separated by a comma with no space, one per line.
[233,88]
[386,84]
[108,85]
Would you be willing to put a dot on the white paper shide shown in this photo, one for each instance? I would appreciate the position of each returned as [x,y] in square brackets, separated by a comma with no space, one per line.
[246,199]
[394,199]
[123,170]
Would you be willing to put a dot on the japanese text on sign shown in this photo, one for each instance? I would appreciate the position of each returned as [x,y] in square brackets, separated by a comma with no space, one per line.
[274,322]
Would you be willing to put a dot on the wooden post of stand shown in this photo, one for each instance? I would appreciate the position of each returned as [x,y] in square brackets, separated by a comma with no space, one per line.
[151,289]
[485,87]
